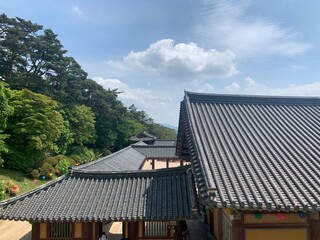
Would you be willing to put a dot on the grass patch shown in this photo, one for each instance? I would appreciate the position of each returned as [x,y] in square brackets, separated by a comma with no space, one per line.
[22,180]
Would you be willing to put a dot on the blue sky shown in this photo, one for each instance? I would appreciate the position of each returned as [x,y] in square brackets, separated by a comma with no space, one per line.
[154,50]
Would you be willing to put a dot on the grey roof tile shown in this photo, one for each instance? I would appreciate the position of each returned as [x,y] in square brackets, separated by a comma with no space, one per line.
[82,195]
[123,160]
[157,152]
[163,142]
[256,152]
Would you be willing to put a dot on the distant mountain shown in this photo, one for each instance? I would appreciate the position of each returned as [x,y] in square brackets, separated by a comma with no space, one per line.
[170,126]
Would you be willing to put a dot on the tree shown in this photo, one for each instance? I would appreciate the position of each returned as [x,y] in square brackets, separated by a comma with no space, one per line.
[34,127]
[35,59]
[109,112]
[127,128]
[5,111]
[82,124]
[161,132]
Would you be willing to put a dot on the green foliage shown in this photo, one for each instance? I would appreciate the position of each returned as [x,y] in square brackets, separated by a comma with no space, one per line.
[75,113]
[2,191]
[5,111]
[11,188]
[66,137]
[63,166]
[161,132]
[82,155]
[35,124]
[45,170]
[82,124]
[54,160]
[127,128]
[35,174]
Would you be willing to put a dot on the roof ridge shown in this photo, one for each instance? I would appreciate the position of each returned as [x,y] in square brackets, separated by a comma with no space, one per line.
[79,172]
[106,157]
[35,190]
[252,99]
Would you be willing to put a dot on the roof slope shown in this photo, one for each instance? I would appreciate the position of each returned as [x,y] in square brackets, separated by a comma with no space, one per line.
[164,142]
[101,196]
[253,152]
[157,152]
[123,160]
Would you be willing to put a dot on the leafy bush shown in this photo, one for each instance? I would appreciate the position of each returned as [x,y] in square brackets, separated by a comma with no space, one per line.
[53,161]
[63,166]
[11,188]
[45,170]
[35,173]
[2,190]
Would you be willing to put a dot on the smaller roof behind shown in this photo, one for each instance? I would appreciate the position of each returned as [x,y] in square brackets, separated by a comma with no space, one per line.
[164,142]
[124,160]
[144,136]
[166,194]
[157,152]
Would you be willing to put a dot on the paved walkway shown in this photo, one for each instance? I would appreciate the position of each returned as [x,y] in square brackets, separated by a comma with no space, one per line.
[13,230]
[198,230]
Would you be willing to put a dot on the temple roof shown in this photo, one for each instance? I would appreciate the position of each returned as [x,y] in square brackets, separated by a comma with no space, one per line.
[80,195]
[144,136]
[253,152]
[126,159]
[157,152]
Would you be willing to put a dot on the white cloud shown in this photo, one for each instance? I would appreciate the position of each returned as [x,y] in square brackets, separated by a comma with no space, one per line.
[230,24]
[233,87]
[157,104]
[250,82]
[180,62]
[309,89]
[76,9]
[206,88]
[127,93]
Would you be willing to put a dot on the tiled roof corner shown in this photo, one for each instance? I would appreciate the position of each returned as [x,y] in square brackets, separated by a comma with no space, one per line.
[258,152]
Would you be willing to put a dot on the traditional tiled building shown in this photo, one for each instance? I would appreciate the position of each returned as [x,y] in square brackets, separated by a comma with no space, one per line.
[149,203]
[256,162]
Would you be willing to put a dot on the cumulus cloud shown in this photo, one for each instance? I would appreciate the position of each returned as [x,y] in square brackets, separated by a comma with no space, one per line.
[308,89]
[233,87]
[158,104]
[206,88]
[181,62]
[230,24]
[76,9]
[143,98]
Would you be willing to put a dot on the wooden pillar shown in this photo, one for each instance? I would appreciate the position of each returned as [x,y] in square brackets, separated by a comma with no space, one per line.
[35,231]
[181,162]
[125,233]
[133,230]
[237,228]
[220,224]
[167,163]
[314,226]
[152,164]
[178,231]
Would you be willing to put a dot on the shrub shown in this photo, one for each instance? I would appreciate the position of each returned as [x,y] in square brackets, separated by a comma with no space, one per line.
[45,170]
[35,173]
[53,161]
[2,191]
[11,188]
[63,166]
[71,161]
[76,157]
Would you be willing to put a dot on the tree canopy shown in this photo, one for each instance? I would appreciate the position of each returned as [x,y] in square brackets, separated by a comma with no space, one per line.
[53,107]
